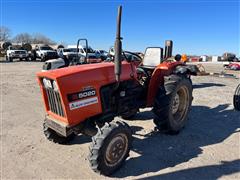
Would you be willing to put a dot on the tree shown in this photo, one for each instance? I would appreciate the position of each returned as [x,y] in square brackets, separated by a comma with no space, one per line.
[23,38]
[41,39]
[5,33]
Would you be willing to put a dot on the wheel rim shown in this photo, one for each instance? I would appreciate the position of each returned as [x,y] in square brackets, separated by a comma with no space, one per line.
[180,104]
[176,103]
[116,150]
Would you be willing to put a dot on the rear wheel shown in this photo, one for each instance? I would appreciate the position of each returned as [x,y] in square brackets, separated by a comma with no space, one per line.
[53,136]
[173,102]
[110,147]
[236,98]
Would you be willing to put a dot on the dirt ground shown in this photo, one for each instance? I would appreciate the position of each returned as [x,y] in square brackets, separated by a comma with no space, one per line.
[207,148]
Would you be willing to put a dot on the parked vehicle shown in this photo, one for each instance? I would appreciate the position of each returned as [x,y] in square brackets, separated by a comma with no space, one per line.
[16,53]
[101,54]
[85,99]
[44,53]
[67,53]
[89,53]
[84,55]
[231,57]
[233,66]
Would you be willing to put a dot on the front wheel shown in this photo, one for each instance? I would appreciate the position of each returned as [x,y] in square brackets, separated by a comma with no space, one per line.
[110,147]
[173,102]
[10,59]
[43,58]
[236,98]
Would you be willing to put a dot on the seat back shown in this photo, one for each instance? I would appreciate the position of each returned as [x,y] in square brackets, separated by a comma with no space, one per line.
[153,56]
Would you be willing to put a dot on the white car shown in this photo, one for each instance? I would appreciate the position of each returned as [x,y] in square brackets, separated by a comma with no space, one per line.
[13,53]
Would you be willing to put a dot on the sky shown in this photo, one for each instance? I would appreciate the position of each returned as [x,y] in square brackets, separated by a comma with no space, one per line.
[200,27]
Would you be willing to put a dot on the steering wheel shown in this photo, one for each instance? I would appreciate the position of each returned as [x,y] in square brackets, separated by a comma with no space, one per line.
[142,75]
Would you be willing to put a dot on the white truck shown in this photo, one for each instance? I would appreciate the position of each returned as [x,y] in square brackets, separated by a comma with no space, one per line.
[44,53]
[15,53]
[87,52]
[67,53]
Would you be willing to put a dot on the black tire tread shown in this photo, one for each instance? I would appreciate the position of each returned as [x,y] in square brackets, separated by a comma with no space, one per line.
[51,135]
[97,145]
[236,98]
[163,101]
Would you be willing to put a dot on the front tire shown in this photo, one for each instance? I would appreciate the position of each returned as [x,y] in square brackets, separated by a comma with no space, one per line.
[236,98]
[43,58]
[10,59]
[110,147]
[53,136]
[173,102]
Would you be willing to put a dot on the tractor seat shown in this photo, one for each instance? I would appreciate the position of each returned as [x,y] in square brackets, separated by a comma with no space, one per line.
[153,57]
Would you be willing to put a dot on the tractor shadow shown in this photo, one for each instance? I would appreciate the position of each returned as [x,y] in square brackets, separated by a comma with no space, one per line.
[206,85]
[144,115]
[213,171]
[156,151]
[80,139]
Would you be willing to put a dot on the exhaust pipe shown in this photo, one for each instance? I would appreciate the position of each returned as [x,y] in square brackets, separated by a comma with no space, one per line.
[118,47]
[168,49]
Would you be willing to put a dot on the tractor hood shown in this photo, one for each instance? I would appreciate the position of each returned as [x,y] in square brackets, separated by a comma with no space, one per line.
[88,71]
[78,79]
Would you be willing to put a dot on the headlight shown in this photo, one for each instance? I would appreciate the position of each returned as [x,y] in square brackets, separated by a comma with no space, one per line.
[55,86]
[47,83]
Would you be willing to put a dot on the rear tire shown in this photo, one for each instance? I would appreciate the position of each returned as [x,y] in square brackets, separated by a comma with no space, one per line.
[172,104]
[51,135]
[236,98]
[110,147]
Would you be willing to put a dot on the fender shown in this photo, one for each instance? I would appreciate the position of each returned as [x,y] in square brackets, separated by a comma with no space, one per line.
[163,69]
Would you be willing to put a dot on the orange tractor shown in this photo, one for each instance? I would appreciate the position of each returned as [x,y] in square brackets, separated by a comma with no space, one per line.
[85,99]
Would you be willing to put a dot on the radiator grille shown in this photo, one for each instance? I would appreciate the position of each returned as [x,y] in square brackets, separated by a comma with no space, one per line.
[54,102]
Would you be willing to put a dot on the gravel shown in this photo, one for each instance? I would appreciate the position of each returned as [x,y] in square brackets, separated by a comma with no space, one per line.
[207,148]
